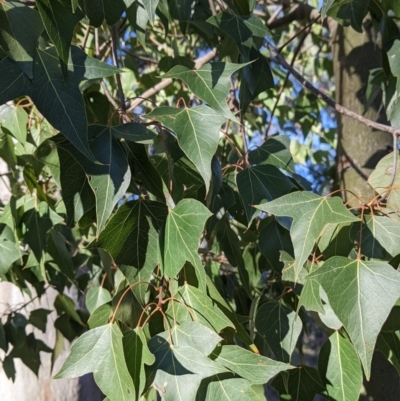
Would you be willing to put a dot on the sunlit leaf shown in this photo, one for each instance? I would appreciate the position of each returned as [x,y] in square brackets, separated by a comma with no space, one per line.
[194,304]
[180,238]
[310,214]
[354,289]
[340,369]
[255,368]
[210,83]
[95,297]
[100,351]
[179,369]
[197,130]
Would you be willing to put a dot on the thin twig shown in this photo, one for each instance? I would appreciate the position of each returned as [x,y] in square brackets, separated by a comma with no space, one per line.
[85,37]
[305,28]
[282,88]
[212,7]
[278,58]
[168,81]
[114,41]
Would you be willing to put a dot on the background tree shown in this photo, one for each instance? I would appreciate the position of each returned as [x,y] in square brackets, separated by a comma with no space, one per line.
[157,240]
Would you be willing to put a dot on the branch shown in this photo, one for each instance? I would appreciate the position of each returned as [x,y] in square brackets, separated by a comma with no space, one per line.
[278,58]
[168,81]
[300,12]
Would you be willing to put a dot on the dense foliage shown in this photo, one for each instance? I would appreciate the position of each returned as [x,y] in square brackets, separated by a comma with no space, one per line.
[154,166]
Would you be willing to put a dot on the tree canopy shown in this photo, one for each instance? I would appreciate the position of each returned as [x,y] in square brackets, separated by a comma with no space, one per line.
[173,162]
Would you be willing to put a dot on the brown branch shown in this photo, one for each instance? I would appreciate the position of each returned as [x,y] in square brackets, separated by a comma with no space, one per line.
[295,54]
[278,58]
[300,12]
[168,81]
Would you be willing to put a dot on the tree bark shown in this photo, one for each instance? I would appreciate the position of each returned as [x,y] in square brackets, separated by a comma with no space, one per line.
[359,147]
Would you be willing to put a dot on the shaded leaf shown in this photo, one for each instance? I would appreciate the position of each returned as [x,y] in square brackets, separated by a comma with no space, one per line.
[355,11]
[310,214]
[19,34]
[38,318]
[280,328]
[354,289]
[299,384]
[131,236]
[261,183]
[59,21]
[99,10]
[275,151]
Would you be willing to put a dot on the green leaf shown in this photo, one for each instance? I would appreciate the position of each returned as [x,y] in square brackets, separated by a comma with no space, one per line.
[340,369]
[310,214]
[355,11]
[100,351]
[14,82]
[194,304]
[197,130]
[280,328]
[63,303]
[137,354]
[37,222]
[78,196]
[38,318]
[274,239]
[210,83]
[275,151]
[180,238]
[110,181]
[325,8]
[226,388]
[299,384]
[10,250]
[100,316]
[131,236]
[151,6]
[95,297]
[255,368]
[19,34]
[261,183]
[179,369]
[380,236]
[59,21]
[134,132]
[61,103]
[310,298]
[138,18]
[57,249]
[354,289]
[16,123]
[239,29]
[381,178]
[99,10]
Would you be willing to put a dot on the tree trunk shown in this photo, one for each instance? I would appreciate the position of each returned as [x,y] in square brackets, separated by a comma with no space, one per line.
[359,150]
[359,147]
